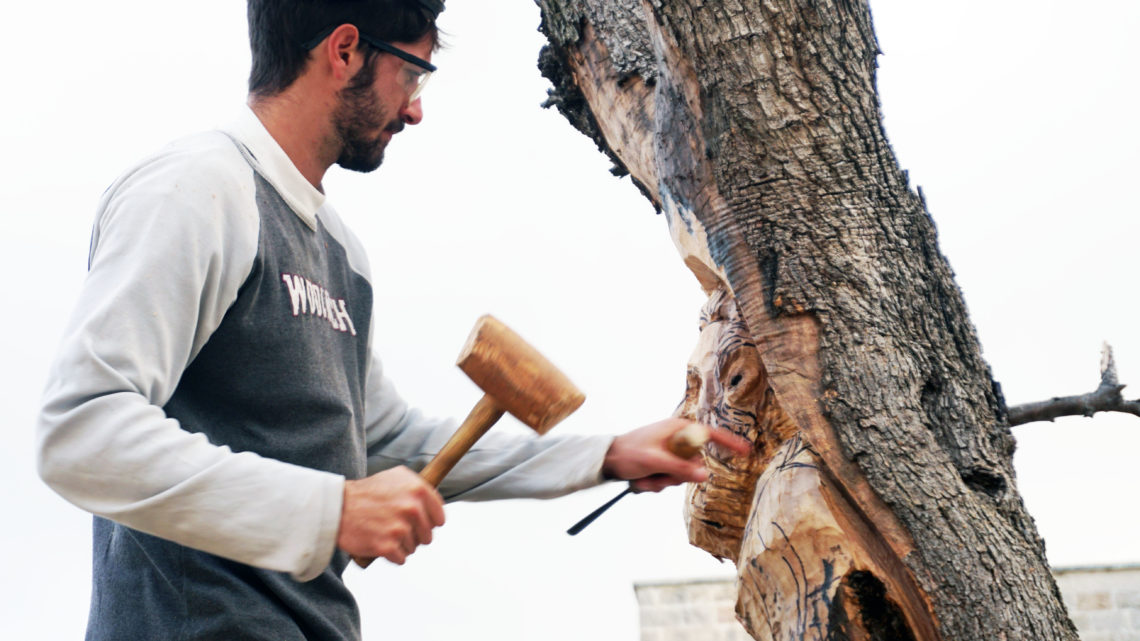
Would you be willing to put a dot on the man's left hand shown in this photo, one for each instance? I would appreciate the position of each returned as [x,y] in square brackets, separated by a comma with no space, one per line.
[643,457]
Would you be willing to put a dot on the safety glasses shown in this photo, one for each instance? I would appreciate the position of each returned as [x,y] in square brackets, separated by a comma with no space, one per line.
[414,73]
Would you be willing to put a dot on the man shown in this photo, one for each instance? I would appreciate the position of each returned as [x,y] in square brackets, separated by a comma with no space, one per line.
[215,403]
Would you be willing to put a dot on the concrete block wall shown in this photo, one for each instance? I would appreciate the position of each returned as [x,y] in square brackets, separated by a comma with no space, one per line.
[702,610]
[1104,603]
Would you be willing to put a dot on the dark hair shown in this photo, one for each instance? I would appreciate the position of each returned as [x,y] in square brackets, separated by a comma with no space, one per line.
[278,30]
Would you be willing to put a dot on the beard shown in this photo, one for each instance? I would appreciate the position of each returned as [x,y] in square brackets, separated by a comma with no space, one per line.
[357,114]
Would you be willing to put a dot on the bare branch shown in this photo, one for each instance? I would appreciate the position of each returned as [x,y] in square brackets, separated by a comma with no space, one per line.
[1106,398]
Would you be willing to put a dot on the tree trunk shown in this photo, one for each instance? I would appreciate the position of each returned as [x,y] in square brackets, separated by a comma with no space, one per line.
[879,502]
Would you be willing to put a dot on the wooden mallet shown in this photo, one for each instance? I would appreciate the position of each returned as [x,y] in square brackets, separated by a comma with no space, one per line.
[514,378]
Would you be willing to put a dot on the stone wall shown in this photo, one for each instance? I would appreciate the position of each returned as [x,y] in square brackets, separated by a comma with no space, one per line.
[689,611]
[1104,603]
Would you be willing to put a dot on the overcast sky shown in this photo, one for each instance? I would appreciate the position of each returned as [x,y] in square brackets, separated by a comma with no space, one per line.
[1017,118]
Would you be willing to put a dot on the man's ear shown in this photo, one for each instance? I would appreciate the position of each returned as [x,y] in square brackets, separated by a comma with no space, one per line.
[339,52]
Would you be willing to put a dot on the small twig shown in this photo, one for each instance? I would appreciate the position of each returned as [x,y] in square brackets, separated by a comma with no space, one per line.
[1106,398]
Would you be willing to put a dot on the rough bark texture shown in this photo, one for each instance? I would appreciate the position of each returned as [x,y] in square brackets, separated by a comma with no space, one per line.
[881,439]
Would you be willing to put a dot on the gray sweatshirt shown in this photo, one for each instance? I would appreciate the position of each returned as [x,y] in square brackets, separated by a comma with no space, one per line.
[216,386]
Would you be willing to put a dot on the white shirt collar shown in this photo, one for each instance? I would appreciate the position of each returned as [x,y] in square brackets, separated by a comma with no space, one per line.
[275,166]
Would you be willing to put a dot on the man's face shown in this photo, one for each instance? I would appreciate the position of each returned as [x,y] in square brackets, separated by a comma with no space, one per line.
[374,107]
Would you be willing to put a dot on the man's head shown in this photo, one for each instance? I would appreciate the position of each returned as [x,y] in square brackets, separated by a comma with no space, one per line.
[281,32]
[365,118]
[354,67]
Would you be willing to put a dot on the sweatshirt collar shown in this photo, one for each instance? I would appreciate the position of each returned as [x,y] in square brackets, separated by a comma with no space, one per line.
[275,166]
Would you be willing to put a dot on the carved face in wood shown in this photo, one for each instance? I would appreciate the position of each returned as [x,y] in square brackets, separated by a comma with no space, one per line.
[808,566]
[727,387]
[725,381]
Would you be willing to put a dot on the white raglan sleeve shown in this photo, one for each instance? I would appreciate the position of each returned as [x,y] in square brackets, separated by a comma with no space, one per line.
[498,466]
[173,241]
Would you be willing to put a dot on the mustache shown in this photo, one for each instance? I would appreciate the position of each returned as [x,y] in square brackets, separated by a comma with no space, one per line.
[395,127]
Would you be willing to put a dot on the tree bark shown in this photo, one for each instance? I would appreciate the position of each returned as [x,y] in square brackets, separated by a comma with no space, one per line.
[880,500]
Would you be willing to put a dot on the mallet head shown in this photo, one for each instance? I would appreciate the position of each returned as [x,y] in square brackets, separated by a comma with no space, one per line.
[517,377]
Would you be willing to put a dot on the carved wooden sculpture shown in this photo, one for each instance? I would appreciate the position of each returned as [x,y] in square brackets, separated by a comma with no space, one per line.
[810,565]
[880,501]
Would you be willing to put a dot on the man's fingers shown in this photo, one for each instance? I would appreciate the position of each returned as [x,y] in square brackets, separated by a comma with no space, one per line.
[408,545]
[435,510]
[423,514]
[400,544]
[389,514]
[680,470]
[655,483]
[673,470]
[726,438]
[429,516]
[396,556]
[420,530]
[650,450]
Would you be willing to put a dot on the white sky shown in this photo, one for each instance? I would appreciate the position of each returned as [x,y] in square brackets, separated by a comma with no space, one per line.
[1017,118]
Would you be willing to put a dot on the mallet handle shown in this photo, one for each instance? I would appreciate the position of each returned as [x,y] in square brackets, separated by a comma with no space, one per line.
[485,413]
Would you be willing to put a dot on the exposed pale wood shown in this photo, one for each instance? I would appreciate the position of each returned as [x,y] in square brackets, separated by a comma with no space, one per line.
[727,387]
[780,514]
[761,142]
[806,550]
[632,96]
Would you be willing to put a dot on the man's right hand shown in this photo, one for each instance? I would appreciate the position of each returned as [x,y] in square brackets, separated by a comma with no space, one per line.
[388,515]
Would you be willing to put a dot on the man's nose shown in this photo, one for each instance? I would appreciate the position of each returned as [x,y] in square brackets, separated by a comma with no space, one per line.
[413,112]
